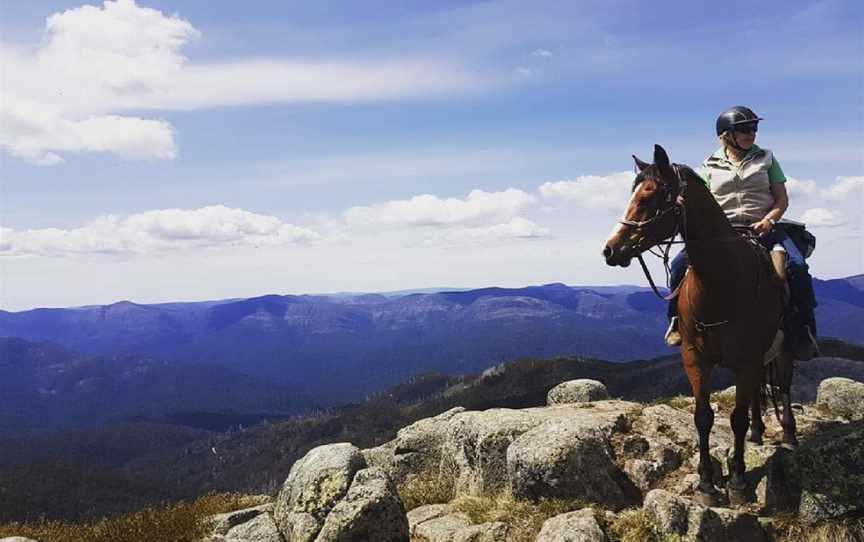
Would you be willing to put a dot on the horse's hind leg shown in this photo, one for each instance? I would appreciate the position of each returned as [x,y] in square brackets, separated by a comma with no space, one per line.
[785,366]
[757,427]
[746,384]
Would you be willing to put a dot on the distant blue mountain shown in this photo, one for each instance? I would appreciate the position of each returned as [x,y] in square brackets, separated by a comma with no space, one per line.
[337,348]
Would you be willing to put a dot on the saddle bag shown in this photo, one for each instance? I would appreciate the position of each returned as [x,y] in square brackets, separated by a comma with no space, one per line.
[803,239]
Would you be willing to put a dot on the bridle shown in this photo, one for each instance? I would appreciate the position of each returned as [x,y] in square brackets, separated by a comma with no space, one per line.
[670,205]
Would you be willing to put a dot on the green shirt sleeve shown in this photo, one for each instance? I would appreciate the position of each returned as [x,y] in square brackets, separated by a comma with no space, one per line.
[775,174]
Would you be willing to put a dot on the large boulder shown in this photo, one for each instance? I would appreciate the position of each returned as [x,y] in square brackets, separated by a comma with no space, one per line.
[576,391]
[573,457]
[314,485]
[828,470]
[475,448]
[578,526]
[371,510]
[692,521]
[417,447]
[841,397]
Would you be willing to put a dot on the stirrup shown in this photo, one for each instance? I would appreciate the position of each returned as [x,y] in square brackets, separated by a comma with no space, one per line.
[673,337]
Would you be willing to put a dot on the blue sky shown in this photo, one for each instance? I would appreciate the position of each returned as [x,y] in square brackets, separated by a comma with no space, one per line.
[194,150]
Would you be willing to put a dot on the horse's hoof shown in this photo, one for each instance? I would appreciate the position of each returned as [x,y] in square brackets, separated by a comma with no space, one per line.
[739,496]
[790,445]
[709,498]
[756,439]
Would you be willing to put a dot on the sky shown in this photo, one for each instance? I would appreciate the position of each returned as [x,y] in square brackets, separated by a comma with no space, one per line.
[160,151]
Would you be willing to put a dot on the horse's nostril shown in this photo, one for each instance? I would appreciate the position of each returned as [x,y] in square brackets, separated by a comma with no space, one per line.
[607,252]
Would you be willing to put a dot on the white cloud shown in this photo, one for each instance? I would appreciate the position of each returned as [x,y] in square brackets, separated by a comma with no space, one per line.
[34,132]
[610,192]
[429,210]
[542,52]
[156,231]
[122,46]
[796,187]
[843,188]
[819,217]
[97,62]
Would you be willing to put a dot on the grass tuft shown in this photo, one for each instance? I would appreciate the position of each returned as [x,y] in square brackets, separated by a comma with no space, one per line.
[791,529]
[425,489]
[636,525]
[525,518]
[176,522]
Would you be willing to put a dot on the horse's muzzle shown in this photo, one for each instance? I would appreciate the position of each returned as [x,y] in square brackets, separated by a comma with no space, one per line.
[620,257]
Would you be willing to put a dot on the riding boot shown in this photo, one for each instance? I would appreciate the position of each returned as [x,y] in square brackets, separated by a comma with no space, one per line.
[804,301]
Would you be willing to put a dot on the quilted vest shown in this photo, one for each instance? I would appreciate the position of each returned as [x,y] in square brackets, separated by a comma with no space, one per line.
[743,190]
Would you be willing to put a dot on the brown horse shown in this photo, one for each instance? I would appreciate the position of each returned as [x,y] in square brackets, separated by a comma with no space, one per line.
[730,303]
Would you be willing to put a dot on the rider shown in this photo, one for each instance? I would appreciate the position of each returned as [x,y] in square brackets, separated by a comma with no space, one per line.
[750,187]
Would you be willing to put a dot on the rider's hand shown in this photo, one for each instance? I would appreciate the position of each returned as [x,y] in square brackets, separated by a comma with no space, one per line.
[762,227]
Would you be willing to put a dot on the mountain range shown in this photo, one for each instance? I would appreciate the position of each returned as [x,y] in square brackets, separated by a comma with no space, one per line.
[320,350]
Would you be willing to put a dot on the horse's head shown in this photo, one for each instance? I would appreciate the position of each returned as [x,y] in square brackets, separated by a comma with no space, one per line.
[652,212]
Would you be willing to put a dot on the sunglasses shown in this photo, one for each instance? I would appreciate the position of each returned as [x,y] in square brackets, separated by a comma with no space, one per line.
[746,128]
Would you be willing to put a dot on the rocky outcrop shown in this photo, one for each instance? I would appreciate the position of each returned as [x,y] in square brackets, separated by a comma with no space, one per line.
[841,397]
[614,454]
[576,391]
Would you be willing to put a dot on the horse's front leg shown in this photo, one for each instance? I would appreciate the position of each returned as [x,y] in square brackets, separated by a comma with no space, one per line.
[757,427]
[785,366]
[746,385]
[699,375]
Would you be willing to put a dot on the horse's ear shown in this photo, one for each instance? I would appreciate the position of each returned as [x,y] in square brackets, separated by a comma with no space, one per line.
[642,166]
[661,159]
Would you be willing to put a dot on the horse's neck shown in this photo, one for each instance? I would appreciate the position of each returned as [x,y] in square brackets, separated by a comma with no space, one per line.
[706,227]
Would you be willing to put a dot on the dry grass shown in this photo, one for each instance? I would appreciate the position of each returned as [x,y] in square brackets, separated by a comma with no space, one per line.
[790,529]
[680,402]
[425,489]
[178,522]
[525,518]
[635,525]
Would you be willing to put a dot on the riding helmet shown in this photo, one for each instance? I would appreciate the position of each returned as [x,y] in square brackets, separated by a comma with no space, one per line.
[735,116]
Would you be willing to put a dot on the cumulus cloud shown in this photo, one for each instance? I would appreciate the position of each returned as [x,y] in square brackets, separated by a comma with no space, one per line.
[97,62]
[843,188]
[122,46]
[429,210]
[820,217]
[610,192]
[34,132]
[155,231]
